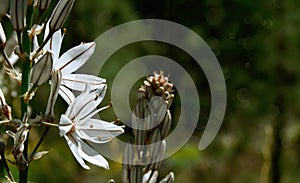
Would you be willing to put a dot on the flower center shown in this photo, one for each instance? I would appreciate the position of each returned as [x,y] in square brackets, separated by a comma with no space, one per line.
[73,129]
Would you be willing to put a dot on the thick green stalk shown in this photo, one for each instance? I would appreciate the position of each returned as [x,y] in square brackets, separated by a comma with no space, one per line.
[24,87]
[23,173]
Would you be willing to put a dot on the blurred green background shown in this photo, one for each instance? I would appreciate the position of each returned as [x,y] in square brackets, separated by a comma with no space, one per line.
[257,44]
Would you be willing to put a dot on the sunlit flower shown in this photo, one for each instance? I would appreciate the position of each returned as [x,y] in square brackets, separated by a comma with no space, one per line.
[76,125]
[68,63]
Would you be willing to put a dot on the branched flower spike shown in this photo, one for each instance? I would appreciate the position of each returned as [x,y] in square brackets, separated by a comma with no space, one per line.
[151,123]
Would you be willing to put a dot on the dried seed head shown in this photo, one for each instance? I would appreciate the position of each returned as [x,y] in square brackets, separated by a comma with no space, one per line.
[18,9]
[60,14]
[41,71]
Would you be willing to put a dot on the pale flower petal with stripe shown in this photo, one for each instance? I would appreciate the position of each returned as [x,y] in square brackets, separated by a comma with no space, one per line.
[76,126]
[69,62]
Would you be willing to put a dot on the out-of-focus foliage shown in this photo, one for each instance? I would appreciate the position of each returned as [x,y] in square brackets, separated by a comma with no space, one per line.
[257,45]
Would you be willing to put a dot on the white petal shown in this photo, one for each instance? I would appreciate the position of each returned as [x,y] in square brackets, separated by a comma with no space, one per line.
[54,44]
[85,103]
[90,155]
[35,44]
[79,81]
[73,144]
[98,131]
[146,176]
[66,94]
[65,125]
[74,58]
[13,58]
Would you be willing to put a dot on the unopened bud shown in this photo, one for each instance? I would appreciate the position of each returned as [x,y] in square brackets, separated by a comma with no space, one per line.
[157,159]
[2,38]
[136,174]
[60,14]
[158,109]
[170,178]
[55,83]
[166,126]
[19,139]
[43,4]
[128,158]
[41,71]
[154,177]
[140,137]
[18,9]
[155,147]
[4,108]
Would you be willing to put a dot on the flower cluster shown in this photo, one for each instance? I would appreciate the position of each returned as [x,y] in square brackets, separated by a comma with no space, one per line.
[151,123]
[43,63]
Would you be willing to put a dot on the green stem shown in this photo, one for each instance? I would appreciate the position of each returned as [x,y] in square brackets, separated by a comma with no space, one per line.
[23,173]
[10,176]
[24,105]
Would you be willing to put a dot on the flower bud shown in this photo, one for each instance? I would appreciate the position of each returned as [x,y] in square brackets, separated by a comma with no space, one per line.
[128,160]
[154,177]
[2,38]
[158,157]
[43,4]
[136,174]
[55,83]
[4,108]
[41,71]
[18,9]
[19,138]
[170,178]
[166,126]
[60,14]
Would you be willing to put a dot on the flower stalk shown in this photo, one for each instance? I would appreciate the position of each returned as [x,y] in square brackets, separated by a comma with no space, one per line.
[26,66]
[151,122]
[44,64]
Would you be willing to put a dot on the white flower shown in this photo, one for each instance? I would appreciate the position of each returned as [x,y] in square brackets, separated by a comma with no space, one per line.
[68,63]
[76,126]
